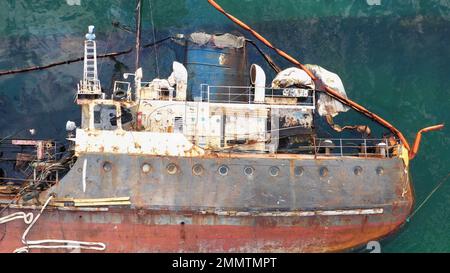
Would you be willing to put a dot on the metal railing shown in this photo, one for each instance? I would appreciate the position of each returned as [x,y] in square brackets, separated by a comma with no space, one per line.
[354,147]
[159,93]
[122,89]
[245,95]
[320,147]
[89,87]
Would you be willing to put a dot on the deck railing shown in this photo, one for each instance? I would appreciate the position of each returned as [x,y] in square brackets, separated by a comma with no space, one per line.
[246,95]
[158,92]
[122,89]
[89,87]
[337,147]
[354,147]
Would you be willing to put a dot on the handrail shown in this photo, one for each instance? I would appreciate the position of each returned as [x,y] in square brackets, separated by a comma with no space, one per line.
[232,93]
[159,91]
[382,145]
[89,87]
[378,148]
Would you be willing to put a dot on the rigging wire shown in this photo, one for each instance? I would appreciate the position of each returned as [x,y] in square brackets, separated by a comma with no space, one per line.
[108,40]
[429,196]
[118,25]
[266,57]
[154,37]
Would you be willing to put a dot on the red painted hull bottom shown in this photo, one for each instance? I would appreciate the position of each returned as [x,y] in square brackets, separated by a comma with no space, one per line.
[124,234]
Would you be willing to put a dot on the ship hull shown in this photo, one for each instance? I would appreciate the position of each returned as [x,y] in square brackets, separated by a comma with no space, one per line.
[137,231]
[311,211]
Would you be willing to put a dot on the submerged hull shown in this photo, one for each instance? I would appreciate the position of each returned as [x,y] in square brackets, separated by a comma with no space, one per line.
[183,212]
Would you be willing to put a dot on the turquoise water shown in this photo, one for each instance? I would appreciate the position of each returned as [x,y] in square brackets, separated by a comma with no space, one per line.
[394,58]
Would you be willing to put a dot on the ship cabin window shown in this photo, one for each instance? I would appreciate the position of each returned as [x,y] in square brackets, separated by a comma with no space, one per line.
[126,118]
[105,117]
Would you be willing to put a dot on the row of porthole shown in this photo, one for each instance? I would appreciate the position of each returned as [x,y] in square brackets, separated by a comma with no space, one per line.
[248,170]
[223,170]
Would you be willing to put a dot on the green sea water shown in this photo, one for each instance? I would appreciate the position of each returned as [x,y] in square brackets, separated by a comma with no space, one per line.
[393,57]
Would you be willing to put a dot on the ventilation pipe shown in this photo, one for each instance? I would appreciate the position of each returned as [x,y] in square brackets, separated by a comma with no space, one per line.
[179,78]
[258,79]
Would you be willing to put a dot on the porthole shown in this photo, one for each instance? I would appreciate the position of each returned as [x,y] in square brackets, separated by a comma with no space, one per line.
[146,168]
[323,171]
[380,171]
[274,171]
[107,166]
[223,170]
[357,170]
[298,171]
[172,168]
[249,171]
[197,169]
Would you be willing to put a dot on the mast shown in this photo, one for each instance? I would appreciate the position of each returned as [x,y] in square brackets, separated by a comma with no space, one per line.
[138,32]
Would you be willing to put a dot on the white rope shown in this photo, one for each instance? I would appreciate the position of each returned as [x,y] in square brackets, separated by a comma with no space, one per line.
[48,243]
[27,217]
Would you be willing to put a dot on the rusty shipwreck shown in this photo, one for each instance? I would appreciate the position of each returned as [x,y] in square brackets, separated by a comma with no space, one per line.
[214,158]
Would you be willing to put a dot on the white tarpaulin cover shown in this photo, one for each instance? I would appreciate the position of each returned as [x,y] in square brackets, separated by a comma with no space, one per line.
[326,105]
[221,41]
[292,76]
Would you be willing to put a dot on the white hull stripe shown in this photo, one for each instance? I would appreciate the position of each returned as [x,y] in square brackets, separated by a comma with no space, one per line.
[242,213]
[303,213]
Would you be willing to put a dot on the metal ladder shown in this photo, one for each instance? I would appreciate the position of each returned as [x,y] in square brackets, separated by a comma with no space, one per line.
[190,120]
[90,61]
[90,87]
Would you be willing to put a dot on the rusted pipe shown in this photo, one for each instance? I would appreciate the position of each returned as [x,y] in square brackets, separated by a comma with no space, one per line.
[415,149]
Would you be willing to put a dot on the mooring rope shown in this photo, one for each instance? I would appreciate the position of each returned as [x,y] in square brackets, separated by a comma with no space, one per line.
[46,243]
[27,217]
[429,196]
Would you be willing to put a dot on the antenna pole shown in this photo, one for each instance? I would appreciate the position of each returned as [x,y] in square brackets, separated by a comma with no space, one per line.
[138,32]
